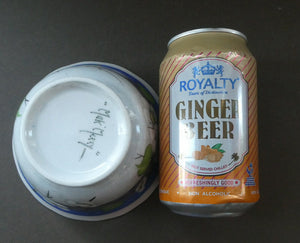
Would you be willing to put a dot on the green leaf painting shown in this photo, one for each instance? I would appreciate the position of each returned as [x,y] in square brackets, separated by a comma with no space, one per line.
[146,94]
[143,166]
[218,147]
[111,206]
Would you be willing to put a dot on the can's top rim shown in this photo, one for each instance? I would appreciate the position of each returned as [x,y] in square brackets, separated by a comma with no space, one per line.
[202,30]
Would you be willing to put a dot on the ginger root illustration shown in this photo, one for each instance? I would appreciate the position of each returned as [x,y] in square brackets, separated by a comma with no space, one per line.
[211,154]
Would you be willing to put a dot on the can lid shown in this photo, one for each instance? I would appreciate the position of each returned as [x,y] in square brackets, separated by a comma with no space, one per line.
[203,30]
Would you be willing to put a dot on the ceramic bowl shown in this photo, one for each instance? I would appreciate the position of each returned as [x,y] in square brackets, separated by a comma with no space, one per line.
[84,141]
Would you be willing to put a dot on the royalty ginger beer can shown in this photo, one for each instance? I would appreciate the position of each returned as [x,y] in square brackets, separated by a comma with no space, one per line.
[208,124]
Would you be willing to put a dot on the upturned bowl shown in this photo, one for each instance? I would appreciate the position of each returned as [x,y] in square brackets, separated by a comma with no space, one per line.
[84,141]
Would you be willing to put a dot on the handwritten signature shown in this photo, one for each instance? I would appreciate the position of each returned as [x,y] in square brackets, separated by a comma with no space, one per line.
[101,115]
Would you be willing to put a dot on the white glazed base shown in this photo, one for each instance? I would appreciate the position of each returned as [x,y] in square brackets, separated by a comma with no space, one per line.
[48,125]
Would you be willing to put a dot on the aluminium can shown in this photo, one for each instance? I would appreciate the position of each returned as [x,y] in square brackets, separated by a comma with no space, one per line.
[208,124]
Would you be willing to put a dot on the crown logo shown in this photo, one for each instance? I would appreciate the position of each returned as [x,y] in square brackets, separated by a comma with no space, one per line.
[208,69]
